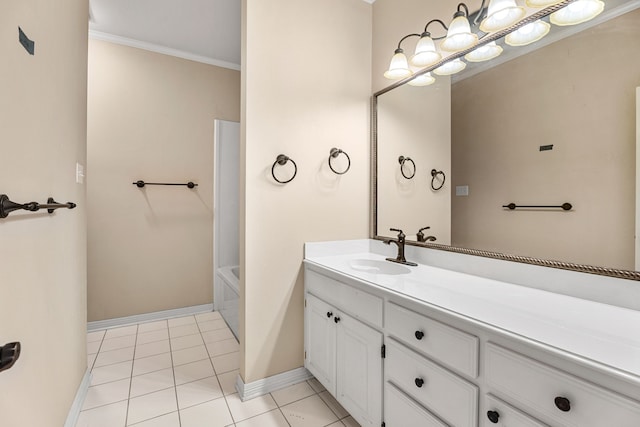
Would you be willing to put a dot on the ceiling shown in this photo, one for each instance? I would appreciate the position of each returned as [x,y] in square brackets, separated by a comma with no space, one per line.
[202,30]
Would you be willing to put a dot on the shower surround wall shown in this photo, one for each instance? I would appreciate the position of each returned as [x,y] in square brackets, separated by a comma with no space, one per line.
[151,117]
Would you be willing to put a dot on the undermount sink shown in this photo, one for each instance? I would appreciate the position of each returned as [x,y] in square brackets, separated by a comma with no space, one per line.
[375,266]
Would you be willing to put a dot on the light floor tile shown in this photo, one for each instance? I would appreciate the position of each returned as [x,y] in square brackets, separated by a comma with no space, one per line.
[270,419]
[157,335]
[95,336]
[309,412]
[336,424]
[193,371]
[197,392]
[120,332]
[180,331]
[152,326]
[350,422]
[93,347]
[109,344]
[152,349]
[151,405]
[91,358]
[250,408]
[106,374]
[217,335]
[210,414]
[228,381]
[116,356]
[292,393]
[212,325]
[168,420]
[211,315]
[315,385]
[188,355]
[113,415]
[223,347]
[186,341]
[333,404]
[151,363]
[151,382]
[226,362]
[179,321]
[105,394]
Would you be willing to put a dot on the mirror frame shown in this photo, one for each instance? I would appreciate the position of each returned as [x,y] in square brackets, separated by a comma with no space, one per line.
[373,232]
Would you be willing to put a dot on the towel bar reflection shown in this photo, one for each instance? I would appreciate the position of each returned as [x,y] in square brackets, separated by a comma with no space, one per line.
[7,206]
[565,206]
[141,184]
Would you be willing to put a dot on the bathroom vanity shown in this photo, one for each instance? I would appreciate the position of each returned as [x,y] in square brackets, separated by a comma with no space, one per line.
[404,346]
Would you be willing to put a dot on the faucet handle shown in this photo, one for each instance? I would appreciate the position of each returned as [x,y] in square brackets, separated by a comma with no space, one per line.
[423,228]
[401,235]
[420,234]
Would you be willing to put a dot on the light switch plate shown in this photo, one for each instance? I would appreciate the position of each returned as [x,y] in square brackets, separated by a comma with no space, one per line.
[462,190]
[79,173]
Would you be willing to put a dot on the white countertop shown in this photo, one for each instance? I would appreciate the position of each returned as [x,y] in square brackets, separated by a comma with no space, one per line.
[605,334]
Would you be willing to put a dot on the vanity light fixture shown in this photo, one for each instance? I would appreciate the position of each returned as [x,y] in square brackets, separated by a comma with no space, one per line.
[459,36]
[528,34]
[577,12]
[426,53]
[538,4]
[450,67]
[501,14]
[399,66]
[484,53]
[422,80]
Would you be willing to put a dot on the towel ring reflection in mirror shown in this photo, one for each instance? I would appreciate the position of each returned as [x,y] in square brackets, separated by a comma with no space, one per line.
[335,152]
[434,174]
[282,160]
[402,160]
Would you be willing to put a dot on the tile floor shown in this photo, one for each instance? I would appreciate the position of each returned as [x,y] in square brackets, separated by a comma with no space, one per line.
[181,372]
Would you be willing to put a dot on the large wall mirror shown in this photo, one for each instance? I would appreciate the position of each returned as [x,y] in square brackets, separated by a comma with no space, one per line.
[554,123]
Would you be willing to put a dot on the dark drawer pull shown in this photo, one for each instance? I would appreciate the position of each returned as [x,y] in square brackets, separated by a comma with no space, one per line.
[562,403]
[419,335]
[493,416]
[329,314]
[419,382]
[336,319]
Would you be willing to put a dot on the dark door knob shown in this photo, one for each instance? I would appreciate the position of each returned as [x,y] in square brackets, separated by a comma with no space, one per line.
[419,382]
[329,314]
[562,403]
[493,416]
[419,335]
[336,319]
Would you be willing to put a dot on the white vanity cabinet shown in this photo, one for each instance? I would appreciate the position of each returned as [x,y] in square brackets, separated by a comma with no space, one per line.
[342,352]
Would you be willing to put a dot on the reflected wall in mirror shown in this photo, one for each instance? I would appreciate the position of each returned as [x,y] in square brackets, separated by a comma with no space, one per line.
[576,94]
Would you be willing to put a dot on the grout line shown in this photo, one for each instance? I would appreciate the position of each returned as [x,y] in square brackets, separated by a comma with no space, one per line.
[173,370]
[126,418]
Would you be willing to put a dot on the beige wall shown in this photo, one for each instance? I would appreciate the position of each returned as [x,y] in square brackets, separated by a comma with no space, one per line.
[577,94]
[306,88]
[150,117]
[413,123]
[43,257]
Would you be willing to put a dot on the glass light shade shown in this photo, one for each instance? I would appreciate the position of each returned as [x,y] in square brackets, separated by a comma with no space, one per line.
[577,12]
[528,34]
[459,36]
[450,67]
[399,67]
[422,80]
[542,3]
[484,53]
[426,53]
[501,14]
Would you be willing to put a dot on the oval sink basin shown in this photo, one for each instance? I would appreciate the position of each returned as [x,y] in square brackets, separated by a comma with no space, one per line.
[375,266]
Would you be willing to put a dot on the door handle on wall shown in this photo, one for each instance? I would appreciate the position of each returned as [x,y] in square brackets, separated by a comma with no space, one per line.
[9,354]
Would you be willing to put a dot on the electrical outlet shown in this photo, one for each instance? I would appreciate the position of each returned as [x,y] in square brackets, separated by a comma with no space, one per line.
[79,173]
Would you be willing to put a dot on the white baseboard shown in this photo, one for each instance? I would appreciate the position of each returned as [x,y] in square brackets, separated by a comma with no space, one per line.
[76,406]
[269,384]
[148,317]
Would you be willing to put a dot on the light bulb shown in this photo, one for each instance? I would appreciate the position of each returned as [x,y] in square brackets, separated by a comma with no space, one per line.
[577,12]
[450,67]
[399,67]
[528,34]
[484,53]
[501,14]
[459,36]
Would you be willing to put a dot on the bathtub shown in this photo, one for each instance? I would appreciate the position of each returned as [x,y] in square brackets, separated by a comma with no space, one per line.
[229,279]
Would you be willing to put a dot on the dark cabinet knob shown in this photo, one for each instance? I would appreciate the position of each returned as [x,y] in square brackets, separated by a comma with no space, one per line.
[419,335]
[562,403]
[329,314]
[419,382]
[336,319]
[493,416]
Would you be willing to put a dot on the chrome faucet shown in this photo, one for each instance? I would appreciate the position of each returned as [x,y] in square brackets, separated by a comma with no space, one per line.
[421,237]
[400,259]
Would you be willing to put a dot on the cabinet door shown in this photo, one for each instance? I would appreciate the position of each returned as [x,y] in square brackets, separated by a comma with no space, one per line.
[359,369]
[320,342]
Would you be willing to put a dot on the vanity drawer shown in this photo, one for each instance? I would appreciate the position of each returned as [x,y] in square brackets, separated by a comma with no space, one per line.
[499,414]
[442,392]
[402,411]
[542,389]
[357,303]
[449,346]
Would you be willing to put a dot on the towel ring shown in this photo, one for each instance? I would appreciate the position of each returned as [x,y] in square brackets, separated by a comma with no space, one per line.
[335,152]
[282,160]
[402,160]
[435,173]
